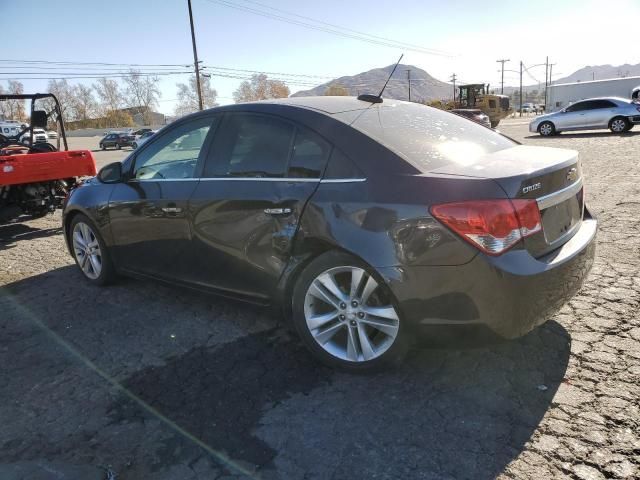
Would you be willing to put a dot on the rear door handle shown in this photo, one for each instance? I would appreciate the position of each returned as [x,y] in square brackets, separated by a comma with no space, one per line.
[277,211]
[171,209]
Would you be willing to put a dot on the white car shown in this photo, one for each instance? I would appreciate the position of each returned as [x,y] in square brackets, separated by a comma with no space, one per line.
[52,135]
[39,136]
[142,139]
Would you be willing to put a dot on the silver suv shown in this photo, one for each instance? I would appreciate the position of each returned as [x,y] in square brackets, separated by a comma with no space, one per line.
[617,114]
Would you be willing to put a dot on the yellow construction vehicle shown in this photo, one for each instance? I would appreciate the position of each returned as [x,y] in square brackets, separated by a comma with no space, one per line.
[476,95]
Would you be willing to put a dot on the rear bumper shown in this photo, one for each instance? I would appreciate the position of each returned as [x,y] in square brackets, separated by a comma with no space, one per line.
[510,294]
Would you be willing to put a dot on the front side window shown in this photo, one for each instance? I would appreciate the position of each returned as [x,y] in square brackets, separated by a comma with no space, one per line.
[579,107]
[250,145]
[173,155]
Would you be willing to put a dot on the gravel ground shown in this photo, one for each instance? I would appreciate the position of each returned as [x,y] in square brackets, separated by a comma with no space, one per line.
[143,381]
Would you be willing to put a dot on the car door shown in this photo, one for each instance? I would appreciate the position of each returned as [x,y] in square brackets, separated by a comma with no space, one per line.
[258,176]
[571,117]
[599,114]
[148,212]
[107,141]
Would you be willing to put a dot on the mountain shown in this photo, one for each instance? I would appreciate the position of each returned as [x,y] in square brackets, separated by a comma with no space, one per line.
[423,86]
[601,72]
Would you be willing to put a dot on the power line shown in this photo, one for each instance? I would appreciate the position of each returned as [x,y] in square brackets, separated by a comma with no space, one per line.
[361,37]
[97,63]
[405,44]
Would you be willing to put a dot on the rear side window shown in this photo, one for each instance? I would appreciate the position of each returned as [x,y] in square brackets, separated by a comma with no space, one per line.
[426,137]
[249,145]
[309,155]
[340,167]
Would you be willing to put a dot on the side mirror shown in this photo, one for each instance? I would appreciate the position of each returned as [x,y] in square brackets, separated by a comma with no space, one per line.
[111,173]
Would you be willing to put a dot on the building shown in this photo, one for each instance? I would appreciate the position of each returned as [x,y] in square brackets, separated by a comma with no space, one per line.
[563,94]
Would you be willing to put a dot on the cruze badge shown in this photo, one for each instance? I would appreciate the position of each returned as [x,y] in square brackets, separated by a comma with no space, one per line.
[572,174]
[531,188]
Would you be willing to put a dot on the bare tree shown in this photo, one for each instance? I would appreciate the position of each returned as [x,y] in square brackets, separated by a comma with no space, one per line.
[260,88]
[14,109]
[188,95]
[335,89]
[142,93]
[64,93]
[83,103]
[4,108]
[109,94]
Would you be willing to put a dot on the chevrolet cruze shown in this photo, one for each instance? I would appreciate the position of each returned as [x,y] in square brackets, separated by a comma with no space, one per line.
[363,221]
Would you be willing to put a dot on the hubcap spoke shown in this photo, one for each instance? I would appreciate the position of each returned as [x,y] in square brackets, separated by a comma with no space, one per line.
[78,241]
[328,281]
[365,344]
[369,287]
[317,321]
[356,279]
[352,344]
[327,334]
[385,327]
[383,312]
[318,291]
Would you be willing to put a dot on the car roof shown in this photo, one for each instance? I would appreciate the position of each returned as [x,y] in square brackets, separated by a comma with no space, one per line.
[326,104]
[616,99]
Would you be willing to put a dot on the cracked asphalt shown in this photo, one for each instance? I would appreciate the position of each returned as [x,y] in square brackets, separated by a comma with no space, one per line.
[144,381]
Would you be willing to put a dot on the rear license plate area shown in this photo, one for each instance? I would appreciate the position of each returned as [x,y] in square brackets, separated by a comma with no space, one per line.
[561,219]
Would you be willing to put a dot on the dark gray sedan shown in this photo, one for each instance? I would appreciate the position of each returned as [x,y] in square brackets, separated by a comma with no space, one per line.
[617,114]
[363,222]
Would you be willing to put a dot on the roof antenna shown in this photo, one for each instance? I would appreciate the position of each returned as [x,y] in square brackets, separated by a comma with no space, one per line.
[378,98]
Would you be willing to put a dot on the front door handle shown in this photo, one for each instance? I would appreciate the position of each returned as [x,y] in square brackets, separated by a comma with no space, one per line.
[277,211]
[171,209]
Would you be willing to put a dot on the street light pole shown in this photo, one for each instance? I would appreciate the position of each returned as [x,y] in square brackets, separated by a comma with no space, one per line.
[409,81]
[196,63]
[453,79]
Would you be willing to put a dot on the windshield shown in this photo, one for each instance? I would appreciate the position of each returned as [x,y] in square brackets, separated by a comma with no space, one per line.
[426,137]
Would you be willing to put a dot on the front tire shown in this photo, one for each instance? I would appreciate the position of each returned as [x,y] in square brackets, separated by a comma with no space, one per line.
[103,146]
[90,252]
[619,125]
[118,146]
[546,129]
[346,315]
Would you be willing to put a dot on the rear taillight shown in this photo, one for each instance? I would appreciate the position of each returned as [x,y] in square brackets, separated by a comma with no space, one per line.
[493,226]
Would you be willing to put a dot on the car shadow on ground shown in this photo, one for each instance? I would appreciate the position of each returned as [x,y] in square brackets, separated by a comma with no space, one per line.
[589,134]
[11,233]
[262,401]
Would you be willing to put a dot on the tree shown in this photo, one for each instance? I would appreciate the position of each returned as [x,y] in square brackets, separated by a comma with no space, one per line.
[188,96]
[142,93]
[337,90]
[14,109]
[109,94]
[64,93]
[260,88]
[83,103]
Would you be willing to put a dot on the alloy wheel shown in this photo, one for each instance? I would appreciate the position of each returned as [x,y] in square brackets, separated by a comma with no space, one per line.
[618,125]
[87,250]
[349,315]
[546,129]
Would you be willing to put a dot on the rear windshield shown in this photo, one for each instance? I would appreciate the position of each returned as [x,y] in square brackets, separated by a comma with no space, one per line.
[426,137]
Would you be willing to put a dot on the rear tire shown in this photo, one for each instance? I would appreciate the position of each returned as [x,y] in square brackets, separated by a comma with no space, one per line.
[103,146]
[118,146]
[619,125]
[546,129]
[346,315]
[90,252]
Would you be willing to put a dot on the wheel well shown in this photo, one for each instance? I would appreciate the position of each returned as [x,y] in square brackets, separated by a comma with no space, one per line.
[320,248]
[67,224]
[619,117]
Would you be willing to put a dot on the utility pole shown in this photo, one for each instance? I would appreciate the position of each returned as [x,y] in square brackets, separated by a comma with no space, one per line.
[521,88]
[409,81]
[502,61]
[196,63]
[546,80]
[453,79]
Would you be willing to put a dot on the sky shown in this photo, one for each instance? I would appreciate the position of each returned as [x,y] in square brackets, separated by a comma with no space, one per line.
[469,36]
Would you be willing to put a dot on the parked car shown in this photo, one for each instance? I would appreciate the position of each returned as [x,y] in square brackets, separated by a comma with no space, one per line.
[116,140]
[138,133]
[528,107]
[39,136]
[617,114]
[473,114]
[363,221]
[52,135]
[142,139]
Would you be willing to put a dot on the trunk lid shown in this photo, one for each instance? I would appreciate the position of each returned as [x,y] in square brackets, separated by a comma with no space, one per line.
[552,176]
